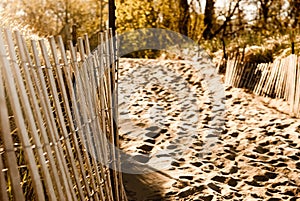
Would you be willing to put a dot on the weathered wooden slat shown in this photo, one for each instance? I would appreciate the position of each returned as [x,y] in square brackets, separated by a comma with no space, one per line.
[277,78]
[27,63]
[257,89]
[66,114]
[101,140]
[265,79]
[77,118]
[114,70]
[3,190]
[55,138]
[104,112]
[69,119]
[279,82]
[92,113]
[6,137]
[288,81]
[238,72]
[280,79]
[272,79]
[85,113]
[28,111]
[228,73]
[20,122]
[293,72]
[232,72]
[297,90]
[62,124]
[110,112]
[239,78]
[253,80]
[246,75]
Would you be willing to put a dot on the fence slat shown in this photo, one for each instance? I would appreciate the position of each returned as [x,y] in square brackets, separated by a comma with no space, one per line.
[293,59]
[30,117]
[62,88]
[279,82]
[52,125]
[280,79]
[64,110]
[259,84]
[7,140]
[20,122]
[99,134]
[297,90]
[110,109]
[59,111]
[77,119]
[37,112]
[3,191]
[103,104]
[92,113]
[114,69]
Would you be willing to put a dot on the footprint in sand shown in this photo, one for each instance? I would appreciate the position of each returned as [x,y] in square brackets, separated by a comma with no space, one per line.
[161,104]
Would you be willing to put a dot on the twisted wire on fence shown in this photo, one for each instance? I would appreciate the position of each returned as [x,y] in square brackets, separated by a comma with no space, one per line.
[57,115]
[280,79]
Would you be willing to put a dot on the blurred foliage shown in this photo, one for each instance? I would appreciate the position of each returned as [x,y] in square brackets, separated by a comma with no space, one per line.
[229,26]
[132,15]
[46,18]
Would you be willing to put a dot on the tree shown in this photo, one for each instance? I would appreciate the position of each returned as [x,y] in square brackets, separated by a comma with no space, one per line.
[264,10]
[212,29]
[58,16]
[208,19]
[196,20]
[132,15]
[184,17]
[270,16]
[135,15]
[294,12]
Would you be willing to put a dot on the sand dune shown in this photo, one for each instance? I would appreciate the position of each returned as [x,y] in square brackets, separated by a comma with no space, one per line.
[165,113]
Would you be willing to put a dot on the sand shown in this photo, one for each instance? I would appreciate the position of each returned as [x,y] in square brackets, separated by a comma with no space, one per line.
[165,116]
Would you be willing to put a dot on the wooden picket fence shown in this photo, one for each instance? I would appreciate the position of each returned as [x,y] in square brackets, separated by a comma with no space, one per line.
[57,118]
[280,79]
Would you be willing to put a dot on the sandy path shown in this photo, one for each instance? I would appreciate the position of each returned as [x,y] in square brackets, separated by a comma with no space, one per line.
[163,122]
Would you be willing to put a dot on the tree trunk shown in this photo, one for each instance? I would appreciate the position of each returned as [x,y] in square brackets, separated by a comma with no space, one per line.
[295,12]
[184,17]
[264,6]
[208,19]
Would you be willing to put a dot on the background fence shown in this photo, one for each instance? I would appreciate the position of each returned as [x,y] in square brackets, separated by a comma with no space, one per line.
[280,79]
[57,119]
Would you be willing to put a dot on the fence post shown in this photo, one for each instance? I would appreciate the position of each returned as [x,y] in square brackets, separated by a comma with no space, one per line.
[112,16]
[112,26]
